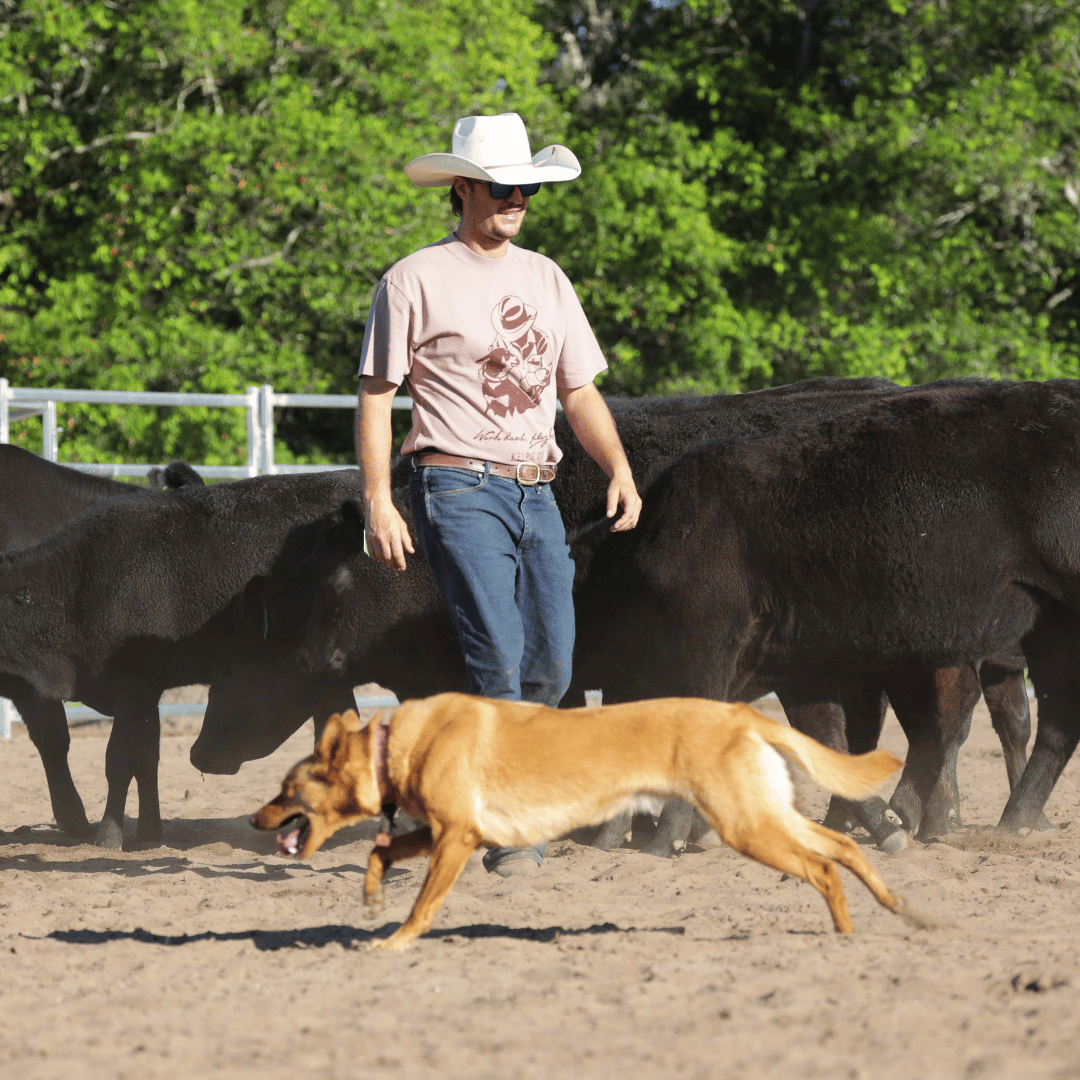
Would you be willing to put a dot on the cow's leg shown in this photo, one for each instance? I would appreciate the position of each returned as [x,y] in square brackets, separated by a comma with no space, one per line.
[934,708]
[1051,648]
[1003,687]
[709,668]
[46,724]
[846,715]
[610,834]
[146,776]
[132,753]
[672,828]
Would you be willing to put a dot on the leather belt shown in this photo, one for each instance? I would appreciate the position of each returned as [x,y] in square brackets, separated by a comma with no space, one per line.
[524,472]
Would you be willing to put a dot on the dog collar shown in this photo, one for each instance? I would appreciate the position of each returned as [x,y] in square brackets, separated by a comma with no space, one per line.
[382,776]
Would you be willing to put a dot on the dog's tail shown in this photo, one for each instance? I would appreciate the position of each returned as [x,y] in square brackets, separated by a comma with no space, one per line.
[853,776]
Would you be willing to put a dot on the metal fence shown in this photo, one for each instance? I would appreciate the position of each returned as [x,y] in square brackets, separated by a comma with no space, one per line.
[83,714]
[21,403]
[259,402]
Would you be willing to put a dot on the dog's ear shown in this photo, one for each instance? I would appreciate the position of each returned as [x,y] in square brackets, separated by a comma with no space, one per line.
[337,728]
[350,721]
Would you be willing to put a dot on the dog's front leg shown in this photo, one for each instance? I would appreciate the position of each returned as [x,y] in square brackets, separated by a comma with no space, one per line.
[452,850]
[382,858]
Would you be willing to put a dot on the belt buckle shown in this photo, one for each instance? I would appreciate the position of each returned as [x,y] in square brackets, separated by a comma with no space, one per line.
[527,465]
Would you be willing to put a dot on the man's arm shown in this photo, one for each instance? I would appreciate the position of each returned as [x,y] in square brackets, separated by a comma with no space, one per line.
[590,420]
[387,534]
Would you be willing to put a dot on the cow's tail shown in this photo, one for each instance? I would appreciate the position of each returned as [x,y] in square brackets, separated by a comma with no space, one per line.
[853,776]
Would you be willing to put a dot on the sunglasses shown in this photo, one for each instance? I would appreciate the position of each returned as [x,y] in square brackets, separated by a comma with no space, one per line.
[504,191]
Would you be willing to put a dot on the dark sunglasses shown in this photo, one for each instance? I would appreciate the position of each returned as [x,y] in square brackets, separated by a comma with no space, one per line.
[504,191]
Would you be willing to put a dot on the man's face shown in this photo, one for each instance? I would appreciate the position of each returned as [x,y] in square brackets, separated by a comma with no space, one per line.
[495,220]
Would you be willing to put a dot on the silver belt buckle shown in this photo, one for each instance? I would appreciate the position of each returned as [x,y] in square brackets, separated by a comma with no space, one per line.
[527,465]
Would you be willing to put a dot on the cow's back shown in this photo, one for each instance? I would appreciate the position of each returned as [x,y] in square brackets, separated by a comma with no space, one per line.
[656,431]
[919,528]
[147,589]
[36,496]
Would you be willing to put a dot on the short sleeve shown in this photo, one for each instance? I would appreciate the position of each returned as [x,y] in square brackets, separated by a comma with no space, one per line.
[387,350]
[582,359]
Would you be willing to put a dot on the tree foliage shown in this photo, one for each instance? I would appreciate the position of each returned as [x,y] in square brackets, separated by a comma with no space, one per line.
[826,187]
[199,196]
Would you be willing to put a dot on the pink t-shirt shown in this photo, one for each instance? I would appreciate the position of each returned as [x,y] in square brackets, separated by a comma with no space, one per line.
[483,345]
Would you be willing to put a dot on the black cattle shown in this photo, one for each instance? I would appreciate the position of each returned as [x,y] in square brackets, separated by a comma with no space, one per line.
[389,627]
[373,624]
[366,623]
[137,595]
[37,496]
[923,530]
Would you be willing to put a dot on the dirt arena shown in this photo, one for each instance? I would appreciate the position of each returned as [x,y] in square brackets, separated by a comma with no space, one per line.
[211,956]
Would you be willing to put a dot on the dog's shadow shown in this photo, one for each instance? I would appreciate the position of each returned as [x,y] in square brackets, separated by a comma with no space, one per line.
[349,937]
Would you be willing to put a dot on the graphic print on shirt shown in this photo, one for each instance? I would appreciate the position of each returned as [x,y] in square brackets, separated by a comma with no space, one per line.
[517,368]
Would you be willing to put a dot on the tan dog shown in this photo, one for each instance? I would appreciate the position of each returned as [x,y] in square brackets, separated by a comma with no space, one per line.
[505,774]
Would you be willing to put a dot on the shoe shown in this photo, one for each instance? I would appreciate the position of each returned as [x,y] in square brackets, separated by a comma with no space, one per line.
[515,862]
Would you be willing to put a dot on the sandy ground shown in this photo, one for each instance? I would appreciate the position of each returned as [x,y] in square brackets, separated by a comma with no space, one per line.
[211,956]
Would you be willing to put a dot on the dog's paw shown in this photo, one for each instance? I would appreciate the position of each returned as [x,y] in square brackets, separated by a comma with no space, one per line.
[391,944]
[373,905]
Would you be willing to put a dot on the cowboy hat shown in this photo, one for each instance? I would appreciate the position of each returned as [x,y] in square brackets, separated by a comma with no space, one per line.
[493,148]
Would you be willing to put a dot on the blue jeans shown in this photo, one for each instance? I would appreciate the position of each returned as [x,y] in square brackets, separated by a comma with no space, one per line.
[499,554]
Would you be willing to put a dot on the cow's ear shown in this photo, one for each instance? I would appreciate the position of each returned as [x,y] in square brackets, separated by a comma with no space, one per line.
[353,518]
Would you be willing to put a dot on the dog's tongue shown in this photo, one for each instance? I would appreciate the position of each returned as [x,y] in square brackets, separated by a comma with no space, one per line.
[289,843]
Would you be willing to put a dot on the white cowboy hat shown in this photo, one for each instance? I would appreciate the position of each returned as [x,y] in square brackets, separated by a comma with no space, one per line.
[493,148]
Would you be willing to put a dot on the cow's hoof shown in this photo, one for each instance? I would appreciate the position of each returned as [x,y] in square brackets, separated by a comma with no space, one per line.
[839,818]
[664,848]
[894,842]
[77,828]
[109,835]
[612,834]
[1044,825]
[933,826]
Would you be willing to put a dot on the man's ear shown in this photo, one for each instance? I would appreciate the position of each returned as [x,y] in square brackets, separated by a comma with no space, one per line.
[337,729]
[462,186]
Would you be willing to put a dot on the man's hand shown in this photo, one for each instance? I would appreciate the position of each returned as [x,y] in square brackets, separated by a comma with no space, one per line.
[590,420]
[388,537]
[622,492]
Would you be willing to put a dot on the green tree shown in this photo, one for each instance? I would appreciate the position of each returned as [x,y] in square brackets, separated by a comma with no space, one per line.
[866,188]
[202,195]
[198,196]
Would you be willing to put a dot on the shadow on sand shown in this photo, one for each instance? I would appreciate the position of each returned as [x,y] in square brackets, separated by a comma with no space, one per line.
[349,937]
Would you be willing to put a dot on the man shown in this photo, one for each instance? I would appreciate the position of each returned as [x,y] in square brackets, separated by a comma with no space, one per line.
[487,335]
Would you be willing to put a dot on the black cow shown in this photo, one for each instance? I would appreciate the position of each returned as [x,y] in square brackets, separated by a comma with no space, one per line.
[137,595]
[37,496]
[372,624]
[924,530]
[393,628]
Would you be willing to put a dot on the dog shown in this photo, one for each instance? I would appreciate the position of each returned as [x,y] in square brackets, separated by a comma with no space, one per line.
[486,773]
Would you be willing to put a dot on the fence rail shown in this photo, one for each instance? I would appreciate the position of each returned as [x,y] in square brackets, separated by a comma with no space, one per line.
[20,403]
[9,714]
